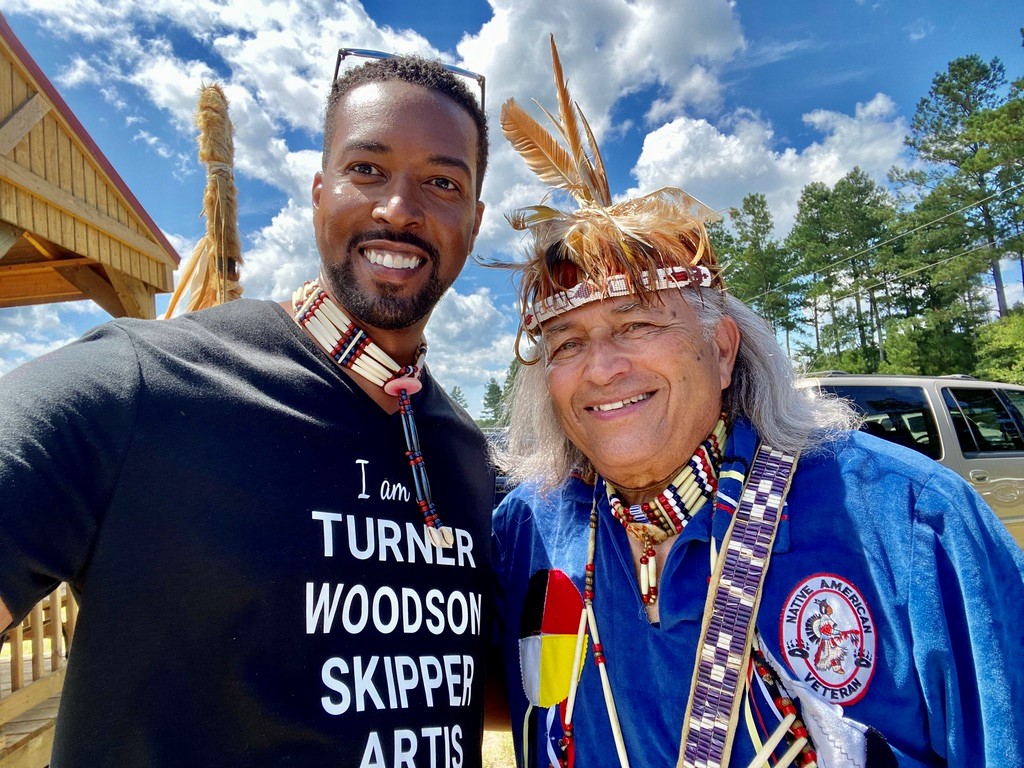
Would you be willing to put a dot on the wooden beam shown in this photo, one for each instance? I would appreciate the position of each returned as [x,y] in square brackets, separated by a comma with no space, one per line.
[21,121]
[32,695]
[30,752]
[9,235]
[45,248]
[20,289]
[138,299]
[41,188]
[29,267]
[94,287]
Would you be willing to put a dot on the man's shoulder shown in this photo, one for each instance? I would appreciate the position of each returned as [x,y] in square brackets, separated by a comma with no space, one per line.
[530,498]
[240,334]
[852,452]
[244,318]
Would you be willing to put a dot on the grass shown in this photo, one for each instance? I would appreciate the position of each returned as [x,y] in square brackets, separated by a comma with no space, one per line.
[498,752]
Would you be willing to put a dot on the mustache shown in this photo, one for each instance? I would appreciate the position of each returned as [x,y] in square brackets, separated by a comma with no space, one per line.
[383,233]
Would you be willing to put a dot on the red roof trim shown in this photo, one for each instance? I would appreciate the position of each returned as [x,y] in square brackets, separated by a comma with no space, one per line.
[51,92]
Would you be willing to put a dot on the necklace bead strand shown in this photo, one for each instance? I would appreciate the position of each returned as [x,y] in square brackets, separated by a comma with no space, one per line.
[667,514]
[351,347]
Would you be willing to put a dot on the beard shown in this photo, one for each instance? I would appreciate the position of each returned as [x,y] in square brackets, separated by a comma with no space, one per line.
[384,307]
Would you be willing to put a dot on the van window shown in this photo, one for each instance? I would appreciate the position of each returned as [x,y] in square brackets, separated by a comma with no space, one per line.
[982,422]
[1016,397]
[898,414]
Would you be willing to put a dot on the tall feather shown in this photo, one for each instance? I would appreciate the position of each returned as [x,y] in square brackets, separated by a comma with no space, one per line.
[599,172]
[569,127]
[541,151]
[568,124]
[567,167]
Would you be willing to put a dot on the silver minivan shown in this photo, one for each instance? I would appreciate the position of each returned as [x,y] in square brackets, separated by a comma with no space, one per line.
[976,428]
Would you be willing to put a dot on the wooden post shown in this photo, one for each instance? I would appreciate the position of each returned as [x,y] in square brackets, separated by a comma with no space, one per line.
[72,609]
[17,640]
[56,629]
[36,627]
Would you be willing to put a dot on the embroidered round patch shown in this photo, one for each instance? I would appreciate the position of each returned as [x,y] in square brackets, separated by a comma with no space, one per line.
[828,635]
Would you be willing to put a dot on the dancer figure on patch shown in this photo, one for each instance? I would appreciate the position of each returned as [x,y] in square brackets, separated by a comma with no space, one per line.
[704,508]
[831,639]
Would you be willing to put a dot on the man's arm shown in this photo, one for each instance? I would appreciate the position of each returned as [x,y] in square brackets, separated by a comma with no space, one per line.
[65,423]
[968,574]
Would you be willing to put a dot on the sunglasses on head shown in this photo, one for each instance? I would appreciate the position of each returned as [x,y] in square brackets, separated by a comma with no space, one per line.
[366,53]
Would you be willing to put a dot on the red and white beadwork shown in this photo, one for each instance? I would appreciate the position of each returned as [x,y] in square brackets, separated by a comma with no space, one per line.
[351,347]
[652,522]
[583,293]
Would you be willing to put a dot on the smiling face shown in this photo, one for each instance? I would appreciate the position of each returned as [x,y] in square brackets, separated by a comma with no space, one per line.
[638,388]
[395,210]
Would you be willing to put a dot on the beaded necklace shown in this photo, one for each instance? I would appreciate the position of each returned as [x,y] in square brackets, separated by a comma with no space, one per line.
[790,727]
[351,347]
[668,513]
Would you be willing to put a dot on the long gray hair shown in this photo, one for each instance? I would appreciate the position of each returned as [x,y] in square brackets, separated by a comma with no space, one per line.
[762,390]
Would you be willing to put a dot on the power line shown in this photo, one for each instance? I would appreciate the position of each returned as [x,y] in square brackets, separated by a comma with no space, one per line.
[791,279]
[910,272]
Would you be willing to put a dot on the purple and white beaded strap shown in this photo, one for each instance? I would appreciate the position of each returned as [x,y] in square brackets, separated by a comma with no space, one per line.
[729,613]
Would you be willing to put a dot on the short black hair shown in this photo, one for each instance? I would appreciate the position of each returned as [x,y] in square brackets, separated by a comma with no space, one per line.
[427,73]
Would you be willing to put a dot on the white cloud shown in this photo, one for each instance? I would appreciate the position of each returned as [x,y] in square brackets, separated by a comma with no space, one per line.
[28,332]
[470,341]
[283,255]
[919,30]
[721,165]
[79,72]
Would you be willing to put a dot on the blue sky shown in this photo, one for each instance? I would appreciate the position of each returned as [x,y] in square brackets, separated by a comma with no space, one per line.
[722,99]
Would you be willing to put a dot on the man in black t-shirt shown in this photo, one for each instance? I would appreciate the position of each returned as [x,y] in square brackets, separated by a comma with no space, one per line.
[240,499]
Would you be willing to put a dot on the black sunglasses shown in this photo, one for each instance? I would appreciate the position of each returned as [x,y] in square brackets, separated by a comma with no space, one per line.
[366,53]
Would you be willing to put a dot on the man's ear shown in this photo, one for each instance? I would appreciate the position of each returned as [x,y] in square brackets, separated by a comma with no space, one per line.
[727,340]
[476,224]
[318,186]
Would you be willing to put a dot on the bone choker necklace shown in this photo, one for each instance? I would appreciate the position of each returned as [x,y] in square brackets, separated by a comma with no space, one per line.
[351,347]
[652,522]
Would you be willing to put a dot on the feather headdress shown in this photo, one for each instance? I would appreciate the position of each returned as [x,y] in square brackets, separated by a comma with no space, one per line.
[637,246]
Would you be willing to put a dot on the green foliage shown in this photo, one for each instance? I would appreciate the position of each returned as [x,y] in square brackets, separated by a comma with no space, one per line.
[459,396]
[1001,349]
[758,268]
[493,405]
[930,345]
[964,131]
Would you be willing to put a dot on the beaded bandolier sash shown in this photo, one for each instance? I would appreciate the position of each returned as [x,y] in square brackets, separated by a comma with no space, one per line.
[351,347]
[723,651]
[729,613]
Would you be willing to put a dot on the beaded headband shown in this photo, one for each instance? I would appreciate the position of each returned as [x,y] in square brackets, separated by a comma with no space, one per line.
[617,285]
[600,250]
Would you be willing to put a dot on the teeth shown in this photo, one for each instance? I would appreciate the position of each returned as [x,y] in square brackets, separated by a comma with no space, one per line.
[391,260]
[620,404]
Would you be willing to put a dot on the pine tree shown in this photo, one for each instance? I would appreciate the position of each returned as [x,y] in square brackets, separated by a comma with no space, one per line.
[493,404]
[760,270]
[459,397]
[940,136]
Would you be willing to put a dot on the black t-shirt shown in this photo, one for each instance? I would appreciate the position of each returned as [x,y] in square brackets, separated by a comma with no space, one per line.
[240,522]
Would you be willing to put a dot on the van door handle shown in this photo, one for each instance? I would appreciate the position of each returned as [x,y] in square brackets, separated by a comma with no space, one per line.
[979,475]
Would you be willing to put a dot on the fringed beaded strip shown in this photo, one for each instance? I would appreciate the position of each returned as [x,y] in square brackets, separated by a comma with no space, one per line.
[652,522]
[599,659]
[795,731]
[352,348]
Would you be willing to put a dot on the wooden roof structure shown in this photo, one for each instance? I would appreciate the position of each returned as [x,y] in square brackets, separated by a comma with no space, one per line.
[69,226]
